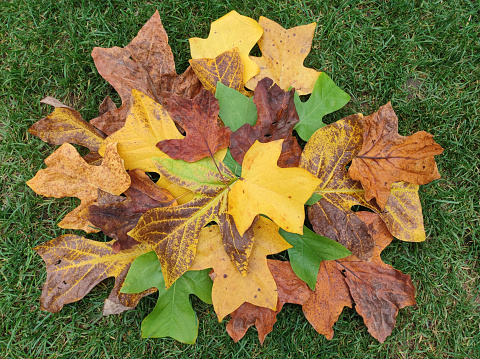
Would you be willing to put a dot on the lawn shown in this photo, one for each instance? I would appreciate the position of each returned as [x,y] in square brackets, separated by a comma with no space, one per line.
[422,56]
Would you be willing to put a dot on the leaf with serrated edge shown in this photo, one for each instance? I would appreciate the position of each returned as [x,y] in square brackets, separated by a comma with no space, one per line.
[258,286]
[308,250]
[231,30]
[68,175]
[76,264]
[265,188]
[173,315]
[326,98]
[236,109]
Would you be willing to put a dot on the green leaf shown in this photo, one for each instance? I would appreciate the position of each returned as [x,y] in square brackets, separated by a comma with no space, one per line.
[235,109]
[234,166]
[314,199]
[173,316]
[325,98]
[308,250]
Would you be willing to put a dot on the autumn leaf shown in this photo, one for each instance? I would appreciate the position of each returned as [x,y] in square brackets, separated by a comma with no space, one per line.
[387,157]
[276,119]
[265,188]
[112,120]
[173,315]
[236,109]
[173,231]
[146,65]
[290,290]
[65,125]
[257,286]
[308,250]
[198,117]
[116,215]
[226,68]
[68,175]
[76,264]
[231,30]
[326,98]
[233,165]
[147,123]
[283,54]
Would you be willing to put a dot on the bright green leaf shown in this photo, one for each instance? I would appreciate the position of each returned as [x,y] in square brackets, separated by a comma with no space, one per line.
[173,316]
[308,250]
[325,98]
[235,109]
[314,199]
[234,166]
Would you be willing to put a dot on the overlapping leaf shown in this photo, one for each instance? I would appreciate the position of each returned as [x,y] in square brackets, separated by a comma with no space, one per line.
[235,109]
[283,53]
[387,157]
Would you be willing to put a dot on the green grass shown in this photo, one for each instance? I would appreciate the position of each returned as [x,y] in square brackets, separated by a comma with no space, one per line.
[422,56]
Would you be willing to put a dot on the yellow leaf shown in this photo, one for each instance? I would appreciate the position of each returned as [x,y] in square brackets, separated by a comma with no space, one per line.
[283,53]
[231,30]
[147,123]
[230,288]
[68,175]
[265,188]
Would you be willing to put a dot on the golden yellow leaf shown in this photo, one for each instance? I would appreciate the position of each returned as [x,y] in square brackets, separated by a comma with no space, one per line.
[68,175]
[230,288]
[265,188]
[231,30]
[283,53]
[226,68]
[147,123]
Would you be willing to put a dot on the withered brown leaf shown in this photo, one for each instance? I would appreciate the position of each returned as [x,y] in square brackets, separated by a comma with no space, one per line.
[276,118]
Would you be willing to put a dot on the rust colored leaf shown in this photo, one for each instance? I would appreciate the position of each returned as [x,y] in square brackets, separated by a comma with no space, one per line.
[290,290]
[199,119]
[116,215]
[226,68]
[76,264]
[68,175]
[276,118]
[112,120]
[65,125]
[283,53]
[387,157]
[146,65]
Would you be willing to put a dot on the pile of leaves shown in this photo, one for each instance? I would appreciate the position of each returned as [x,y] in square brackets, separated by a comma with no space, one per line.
[199,177]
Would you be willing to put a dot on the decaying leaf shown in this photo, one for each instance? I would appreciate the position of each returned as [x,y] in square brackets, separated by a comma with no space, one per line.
[65,125]
[199,119]
[276,118]
[68,175]
[265,188]
[76,264]
[173,316]
[387,157]
[257,286]
[283,53]
[290,290]
[226,68]
[112,120]
[116,215]
[231,30]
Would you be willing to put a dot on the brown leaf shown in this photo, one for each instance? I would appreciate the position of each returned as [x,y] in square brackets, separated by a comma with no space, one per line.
[226,68]
[76,264]
[65,125]
[112,120]
[290,290]
[116,215]
[68,175]
[146,65]
[106,106]
[199,119]
[276,118]
[387,157]
[53,102]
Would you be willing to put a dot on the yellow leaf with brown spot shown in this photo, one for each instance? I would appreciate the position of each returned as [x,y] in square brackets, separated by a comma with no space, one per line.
[226,68]
[231,30]
[283,53]
[265,188]
[76,264]
[68,175]
[147,123]
[258,286]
